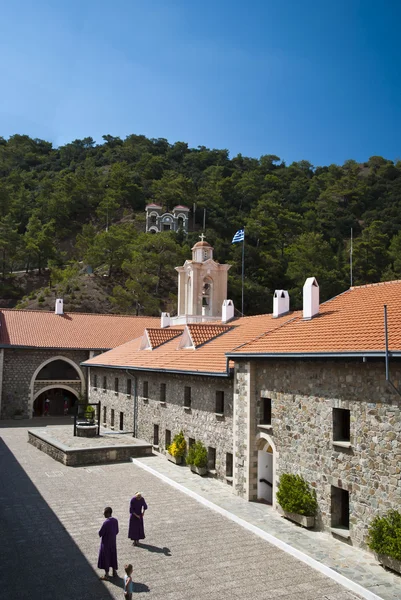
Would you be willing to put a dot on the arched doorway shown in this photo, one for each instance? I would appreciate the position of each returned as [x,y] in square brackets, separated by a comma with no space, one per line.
[60,398]
[61,380]
[266,479]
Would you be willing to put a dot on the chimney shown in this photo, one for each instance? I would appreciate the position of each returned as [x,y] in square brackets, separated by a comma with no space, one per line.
[227,311]
[58,310]
[165,320]
[311,298]
[281,303]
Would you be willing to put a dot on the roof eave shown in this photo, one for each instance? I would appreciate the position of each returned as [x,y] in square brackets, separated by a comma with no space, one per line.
[365,354]
[173,371]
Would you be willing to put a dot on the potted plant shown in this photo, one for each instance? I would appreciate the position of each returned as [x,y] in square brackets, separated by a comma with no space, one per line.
[90,414]
[197,458]
[384,538]
[177,448]
[18,414]
[297,500]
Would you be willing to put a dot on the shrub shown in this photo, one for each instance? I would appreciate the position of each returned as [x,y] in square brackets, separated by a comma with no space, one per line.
[197,455]
[384,536]
[295,495]
[41,299]
[89,413]
[178,446]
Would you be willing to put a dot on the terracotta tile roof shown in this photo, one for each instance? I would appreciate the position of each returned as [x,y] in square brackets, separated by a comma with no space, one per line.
[43,329]
[159,336]
[207,358]
[352,322]
[204,332]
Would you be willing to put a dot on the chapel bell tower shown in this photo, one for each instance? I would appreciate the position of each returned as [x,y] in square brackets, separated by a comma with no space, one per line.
[202,286]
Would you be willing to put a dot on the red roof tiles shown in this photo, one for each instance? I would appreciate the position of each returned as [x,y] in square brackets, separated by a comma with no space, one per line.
[160,336]
[43,329]
[204,332]
[352,322]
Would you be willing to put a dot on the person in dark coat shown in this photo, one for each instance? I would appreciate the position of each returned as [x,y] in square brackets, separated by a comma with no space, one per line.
[137,509]
[108,546]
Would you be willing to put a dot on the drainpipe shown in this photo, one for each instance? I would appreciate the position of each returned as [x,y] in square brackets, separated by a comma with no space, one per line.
[135,399]
[387,354]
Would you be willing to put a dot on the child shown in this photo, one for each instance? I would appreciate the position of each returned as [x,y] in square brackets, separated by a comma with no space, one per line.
[128,583]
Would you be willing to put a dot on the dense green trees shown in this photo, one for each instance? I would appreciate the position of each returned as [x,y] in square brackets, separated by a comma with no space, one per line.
[84,202]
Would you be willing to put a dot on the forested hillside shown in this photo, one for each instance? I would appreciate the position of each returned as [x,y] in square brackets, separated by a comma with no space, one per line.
[56,204]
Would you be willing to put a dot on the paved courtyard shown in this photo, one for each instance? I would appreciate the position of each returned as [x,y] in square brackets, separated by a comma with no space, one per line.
[50,515]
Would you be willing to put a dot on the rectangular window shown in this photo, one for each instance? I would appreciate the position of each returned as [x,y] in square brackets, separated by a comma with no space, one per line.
[191,442]
[187,397]
[121,421]
[167,438]
[95,382]
[129,386]
[339,508]
[104,383]
[162,392]
[145,391]
[211,459]
[116,386]
[229,464]
[155,435]
[112,417]
[265,411]
[341,425]
[219,402]
[104,414]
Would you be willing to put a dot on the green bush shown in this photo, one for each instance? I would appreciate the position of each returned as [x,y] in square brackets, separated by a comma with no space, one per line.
[178,446]
[89,413]
[197,455]
[295,495]
[41,299]
[384,535]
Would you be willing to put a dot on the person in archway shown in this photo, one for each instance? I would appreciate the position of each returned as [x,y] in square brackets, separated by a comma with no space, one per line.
[47,407]
[137,509]
[108,545]
[65,405]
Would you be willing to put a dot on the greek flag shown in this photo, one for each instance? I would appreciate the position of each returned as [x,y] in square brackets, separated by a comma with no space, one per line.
[239,236]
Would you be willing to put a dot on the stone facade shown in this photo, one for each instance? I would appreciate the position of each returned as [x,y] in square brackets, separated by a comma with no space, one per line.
[19,366]
[200,422]
[303,395]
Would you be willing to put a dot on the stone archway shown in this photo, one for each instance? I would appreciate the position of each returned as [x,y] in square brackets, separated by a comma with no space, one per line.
[266,471]
[37,387]
[49,390]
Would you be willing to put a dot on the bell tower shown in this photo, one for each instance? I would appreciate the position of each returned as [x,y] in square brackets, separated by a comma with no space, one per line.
[202,286]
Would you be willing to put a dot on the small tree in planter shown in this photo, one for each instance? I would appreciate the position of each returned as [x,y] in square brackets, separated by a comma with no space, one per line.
[384,538]
[90,414]
[197,458]
[177,448]
[297,499]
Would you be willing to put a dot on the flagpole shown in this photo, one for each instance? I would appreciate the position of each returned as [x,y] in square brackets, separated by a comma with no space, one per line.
[350,258]
[243,270]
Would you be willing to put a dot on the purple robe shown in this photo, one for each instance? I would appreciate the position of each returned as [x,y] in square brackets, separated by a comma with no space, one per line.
[136,530]
[108,545]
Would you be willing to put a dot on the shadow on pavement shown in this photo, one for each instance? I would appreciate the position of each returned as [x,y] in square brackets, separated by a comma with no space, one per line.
[164,550]
[39,560]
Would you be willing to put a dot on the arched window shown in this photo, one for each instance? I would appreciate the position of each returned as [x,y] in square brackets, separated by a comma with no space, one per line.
[56,370]
[207,293]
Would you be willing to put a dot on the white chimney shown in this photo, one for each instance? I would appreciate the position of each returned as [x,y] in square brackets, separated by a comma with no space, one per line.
[311,298]
[281,303]
[59,307]
[165,320]
[227,311]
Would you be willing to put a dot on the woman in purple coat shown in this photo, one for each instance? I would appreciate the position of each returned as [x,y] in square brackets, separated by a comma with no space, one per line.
[137,508]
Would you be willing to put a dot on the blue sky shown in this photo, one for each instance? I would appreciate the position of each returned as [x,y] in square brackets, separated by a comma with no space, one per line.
[314,79]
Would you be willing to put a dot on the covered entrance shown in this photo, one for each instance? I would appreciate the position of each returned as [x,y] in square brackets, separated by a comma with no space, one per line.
[61,402]
[60,381]
[266,470]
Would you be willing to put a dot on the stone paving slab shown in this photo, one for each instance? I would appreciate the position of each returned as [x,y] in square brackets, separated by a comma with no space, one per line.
[353,563]
[50,515]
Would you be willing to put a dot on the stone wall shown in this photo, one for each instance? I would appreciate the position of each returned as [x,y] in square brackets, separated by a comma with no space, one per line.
[303,395]
[19,366]
[199,423]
